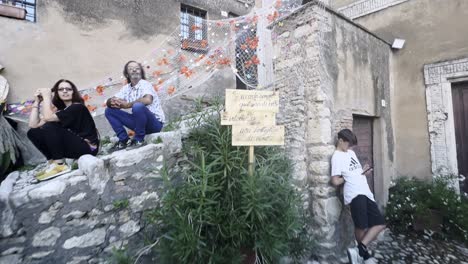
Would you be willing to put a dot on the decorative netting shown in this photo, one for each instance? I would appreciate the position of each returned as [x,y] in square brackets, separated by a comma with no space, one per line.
[194,52]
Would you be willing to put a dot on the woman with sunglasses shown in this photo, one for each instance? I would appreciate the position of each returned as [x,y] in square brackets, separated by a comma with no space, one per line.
[63,129]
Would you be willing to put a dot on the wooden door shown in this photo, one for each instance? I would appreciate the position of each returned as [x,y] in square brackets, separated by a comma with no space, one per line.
[460,116]
[362,128]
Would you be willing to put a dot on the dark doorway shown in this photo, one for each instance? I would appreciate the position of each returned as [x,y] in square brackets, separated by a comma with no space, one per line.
[460,116]
[362,128]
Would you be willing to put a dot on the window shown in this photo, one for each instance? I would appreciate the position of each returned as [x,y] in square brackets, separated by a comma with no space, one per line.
[28,5]
[193,30]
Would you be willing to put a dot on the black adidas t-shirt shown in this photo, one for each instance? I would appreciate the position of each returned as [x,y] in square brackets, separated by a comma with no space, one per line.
[78,119]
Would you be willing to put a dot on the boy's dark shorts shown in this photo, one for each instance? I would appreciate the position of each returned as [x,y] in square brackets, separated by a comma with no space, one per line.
[365,213]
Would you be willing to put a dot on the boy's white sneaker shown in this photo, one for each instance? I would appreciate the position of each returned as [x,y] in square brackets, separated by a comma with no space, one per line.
[353,255]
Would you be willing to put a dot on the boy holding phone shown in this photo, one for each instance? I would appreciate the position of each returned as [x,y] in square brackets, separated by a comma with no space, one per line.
[368,221]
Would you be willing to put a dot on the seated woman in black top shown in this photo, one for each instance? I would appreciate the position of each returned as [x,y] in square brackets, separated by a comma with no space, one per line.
[64,129]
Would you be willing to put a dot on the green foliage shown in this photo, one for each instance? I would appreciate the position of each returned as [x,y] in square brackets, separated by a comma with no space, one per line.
[157,141]
[411,198]
[106,140]
[121,204]
[26,168]
[121,256]
[218,211]
[174,124]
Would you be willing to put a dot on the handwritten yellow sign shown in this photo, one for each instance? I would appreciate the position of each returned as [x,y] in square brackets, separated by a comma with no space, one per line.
[257,135]
[245,100]
[248,118]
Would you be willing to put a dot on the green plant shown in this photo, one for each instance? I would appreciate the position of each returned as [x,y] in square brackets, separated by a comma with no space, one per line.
[412,199]
[214,211]
[26,168]
[74,165]
[172,125]
[120,256]
[106,140]
[157,141]
[121,204]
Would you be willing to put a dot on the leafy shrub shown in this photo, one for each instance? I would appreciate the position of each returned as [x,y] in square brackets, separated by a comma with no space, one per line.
[121,204]
[411,198]
[217,211]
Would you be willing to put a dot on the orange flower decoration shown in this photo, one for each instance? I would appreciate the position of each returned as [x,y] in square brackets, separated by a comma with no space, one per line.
[243,47]
[100,90]
[156,74]
[91,108]
[248,64]
[200,58]
[252,42]
[86,97]
[131,133]
[273,17]
[204,43]
[163,61]
[278,3]
[161,81]
[171,90]
[185,44]
[219,24]
[186,71]
[156,88]
[224,61]
[195,28]
[209,63]
[255,60]
[182,58]
[255,19]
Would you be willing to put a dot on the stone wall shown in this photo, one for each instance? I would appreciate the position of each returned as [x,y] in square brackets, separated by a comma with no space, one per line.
[81,216]
[328,69]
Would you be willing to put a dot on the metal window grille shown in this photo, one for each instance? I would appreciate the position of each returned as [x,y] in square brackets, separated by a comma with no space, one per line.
[192,18]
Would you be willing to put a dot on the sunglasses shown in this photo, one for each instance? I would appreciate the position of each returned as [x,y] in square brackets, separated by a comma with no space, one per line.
[65,89]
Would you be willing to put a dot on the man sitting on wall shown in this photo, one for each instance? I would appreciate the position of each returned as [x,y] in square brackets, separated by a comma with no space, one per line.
[147,115]
[368,221]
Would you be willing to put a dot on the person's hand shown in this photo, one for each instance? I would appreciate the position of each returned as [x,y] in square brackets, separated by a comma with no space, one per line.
[113,103]
[122,103]
[367,169]
[37,97]
[45,93]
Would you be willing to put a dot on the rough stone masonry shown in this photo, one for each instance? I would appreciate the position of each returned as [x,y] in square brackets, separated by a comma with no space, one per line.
[80,217]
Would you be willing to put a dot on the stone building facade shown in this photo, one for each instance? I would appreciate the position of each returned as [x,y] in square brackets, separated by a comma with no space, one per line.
[333,73]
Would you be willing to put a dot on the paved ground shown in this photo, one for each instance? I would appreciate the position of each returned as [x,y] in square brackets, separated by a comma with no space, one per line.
[392,249]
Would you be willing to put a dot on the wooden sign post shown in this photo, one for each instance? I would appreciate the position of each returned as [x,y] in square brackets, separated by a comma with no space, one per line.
[252,115]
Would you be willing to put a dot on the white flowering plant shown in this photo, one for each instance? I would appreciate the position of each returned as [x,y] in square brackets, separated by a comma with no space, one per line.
[411,200]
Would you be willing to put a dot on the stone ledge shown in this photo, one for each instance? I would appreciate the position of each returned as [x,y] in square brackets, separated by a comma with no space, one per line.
[366,7]
[81,215]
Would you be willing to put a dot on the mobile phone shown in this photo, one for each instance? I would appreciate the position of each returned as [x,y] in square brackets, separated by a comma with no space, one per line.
[364,172]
